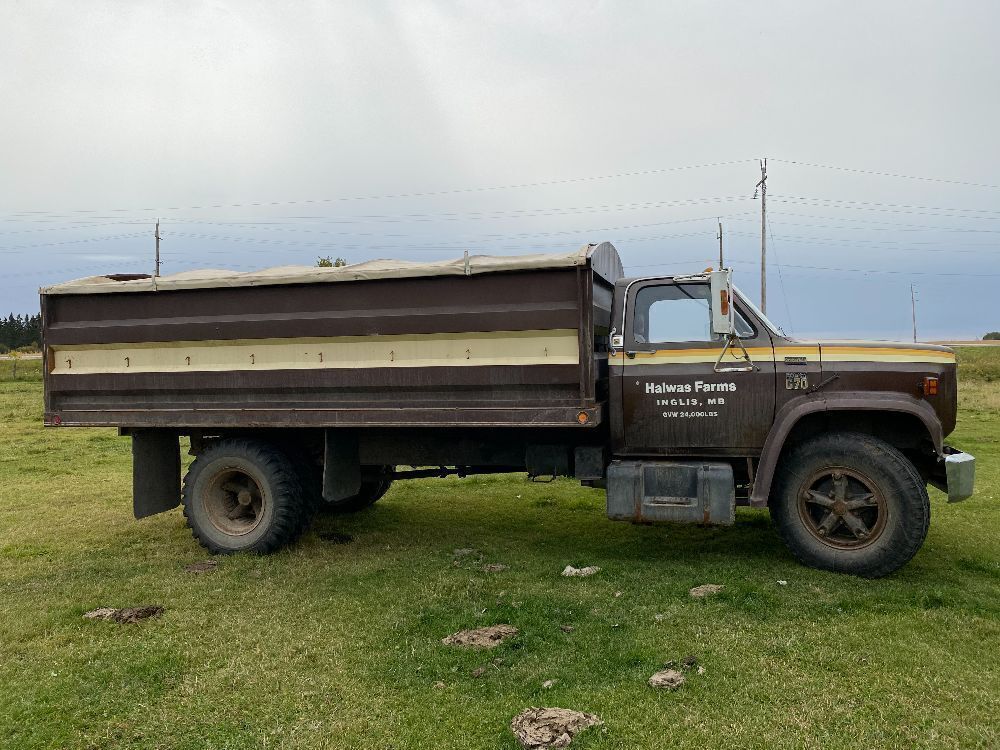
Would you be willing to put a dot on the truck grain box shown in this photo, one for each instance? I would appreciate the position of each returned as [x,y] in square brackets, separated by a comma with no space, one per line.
[306,390]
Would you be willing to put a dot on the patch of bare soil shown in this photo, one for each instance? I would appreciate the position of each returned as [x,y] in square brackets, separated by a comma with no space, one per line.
[570,572]
[706,589]
[126,615]
[670,679]
[542,728]
[488,637]
[205,566]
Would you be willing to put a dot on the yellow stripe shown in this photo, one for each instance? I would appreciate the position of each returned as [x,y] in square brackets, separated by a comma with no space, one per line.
[809,353]
[556,346]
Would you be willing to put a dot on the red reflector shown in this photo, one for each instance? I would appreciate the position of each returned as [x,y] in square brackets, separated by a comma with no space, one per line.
[930,386]
[724,301]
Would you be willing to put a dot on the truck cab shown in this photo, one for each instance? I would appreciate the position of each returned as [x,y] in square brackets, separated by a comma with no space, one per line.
[712,405]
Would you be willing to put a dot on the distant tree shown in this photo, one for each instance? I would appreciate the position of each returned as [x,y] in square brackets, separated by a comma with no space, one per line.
[992,336]
[328,262]
[20,330]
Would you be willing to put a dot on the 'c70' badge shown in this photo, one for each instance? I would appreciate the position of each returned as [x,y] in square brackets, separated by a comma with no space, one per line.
[796,381]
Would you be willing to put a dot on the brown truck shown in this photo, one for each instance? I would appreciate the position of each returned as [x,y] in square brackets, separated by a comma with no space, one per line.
[311,389]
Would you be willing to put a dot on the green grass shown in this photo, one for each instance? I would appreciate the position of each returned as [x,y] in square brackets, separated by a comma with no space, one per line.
[26,369]
[979,362]
[338,645]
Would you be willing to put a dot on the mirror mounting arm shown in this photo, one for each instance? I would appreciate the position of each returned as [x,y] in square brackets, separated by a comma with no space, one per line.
[744,355]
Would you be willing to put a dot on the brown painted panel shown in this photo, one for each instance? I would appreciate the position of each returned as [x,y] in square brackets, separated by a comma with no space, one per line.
[282,417]
[544,395]
[895,378]
[671,406]
[489,302]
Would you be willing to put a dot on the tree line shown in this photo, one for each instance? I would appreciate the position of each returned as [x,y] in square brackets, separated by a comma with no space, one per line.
[20,331]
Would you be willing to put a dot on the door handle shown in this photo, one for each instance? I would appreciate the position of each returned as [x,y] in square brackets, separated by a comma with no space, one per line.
[630,355]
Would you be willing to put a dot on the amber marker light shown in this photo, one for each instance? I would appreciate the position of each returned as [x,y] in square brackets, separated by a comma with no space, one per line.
[930,386]
[583,417]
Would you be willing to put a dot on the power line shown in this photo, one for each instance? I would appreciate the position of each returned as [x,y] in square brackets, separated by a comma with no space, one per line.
[393,196]
[887,174]
[781,280]
[897,228]
[880,245]
[901,272]
[886,207]
[494,214]
[73,242]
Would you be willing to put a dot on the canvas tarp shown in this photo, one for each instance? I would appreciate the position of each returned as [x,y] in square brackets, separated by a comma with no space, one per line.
[373,269]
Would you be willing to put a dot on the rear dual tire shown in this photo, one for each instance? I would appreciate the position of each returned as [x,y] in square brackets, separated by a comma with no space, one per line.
[244,496]
[850,503]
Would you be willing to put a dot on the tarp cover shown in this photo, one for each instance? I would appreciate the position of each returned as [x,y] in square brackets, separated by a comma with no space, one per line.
[604,259]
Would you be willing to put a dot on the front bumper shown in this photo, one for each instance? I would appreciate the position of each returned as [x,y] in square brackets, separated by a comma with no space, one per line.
[960,475]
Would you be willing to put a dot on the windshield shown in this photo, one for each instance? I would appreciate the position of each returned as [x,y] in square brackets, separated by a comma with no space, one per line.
[775,330]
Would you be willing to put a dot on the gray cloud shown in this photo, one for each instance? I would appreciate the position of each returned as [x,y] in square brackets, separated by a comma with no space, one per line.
[158,108]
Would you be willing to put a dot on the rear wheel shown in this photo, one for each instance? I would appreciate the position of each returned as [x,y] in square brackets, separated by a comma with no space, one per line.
[243,496]
[850,503]
[373,487]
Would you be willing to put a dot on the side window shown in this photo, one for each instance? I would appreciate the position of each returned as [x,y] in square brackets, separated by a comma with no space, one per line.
[672,313]
[743,329]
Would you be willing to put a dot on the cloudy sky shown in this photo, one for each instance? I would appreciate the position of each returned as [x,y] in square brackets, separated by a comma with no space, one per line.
[267,133]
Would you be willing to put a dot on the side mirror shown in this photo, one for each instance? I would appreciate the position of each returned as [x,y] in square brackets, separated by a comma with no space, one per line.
[723,316]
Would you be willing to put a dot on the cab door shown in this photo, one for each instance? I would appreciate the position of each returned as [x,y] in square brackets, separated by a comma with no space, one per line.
[677,398]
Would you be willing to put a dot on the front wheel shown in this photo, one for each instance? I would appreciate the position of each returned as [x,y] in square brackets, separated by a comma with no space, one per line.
[850,503]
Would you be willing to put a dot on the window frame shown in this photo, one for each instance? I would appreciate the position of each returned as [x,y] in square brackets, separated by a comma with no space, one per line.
[716,341]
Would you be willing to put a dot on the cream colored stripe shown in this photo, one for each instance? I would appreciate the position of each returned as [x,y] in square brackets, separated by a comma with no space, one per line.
[557,347]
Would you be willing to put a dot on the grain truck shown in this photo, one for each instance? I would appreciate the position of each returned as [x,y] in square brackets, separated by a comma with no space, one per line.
[302,390]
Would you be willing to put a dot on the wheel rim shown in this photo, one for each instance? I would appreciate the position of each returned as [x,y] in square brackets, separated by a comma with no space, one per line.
[234,502]
[842,508]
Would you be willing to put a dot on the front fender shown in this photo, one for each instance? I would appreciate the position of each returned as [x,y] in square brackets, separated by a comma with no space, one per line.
[793,411]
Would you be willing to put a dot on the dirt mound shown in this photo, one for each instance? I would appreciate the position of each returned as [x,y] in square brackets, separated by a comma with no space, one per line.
[488,637]
[570,572]
[669,679]
[706,589]
[541,728]
[125,615]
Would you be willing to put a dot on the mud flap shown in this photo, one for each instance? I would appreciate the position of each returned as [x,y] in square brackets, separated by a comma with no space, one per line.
[156,472]
[682,492]
[341,466]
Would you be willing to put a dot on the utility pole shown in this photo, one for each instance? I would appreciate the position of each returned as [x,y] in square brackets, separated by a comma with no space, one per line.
[762,187]
[721,264]
[156,268]
[913,310]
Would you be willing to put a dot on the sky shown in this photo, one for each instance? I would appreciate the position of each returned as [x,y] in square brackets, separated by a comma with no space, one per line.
[265,134]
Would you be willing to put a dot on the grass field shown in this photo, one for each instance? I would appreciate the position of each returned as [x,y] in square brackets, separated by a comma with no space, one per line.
[337,645]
